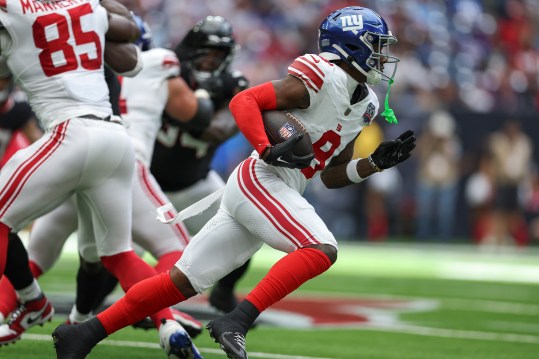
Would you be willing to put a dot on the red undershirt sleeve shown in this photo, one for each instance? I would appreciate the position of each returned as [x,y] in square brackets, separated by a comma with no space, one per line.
[247,107]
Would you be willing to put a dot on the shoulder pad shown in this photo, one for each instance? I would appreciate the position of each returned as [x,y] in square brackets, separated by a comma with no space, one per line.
[311,69]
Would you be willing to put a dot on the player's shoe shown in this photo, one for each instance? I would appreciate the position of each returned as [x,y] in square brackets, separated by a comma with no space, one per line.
[223,299]
[75,317]
[192,326]
[176,342]
[29,314]
[72,341]
[231,340]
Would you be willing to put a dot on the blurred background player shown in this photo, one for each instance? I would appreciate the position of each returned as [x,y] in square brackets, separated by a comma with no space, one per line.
[263,200]
[71,99]
[205,54]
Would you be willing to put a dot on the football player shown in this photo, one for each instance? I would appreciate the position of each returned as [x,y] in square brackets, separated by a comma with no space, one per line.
[205,54]
[263,203]
[85,150]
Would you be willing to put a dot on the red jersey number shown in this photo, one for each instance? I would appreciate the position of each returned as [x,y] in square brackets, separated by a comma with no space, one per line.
[61,43]
[320,155]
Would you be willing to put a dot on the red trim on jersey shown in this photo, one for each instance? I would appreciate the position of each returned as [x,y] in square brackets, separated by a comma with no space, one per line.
[272,208]
[21,175]
[313,62]
[247,107]
[154,196]
[307,72]
[3,5]
[170,61]
[302,78]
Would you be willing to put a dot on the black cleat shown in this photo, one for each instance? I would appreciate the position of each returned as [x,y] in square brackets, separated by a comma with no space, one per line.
[77,340]
[68,344]
[232,342]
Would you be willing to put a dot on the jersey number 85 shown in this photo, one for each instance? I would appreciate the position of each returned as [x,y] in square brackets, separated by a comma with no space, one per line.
[61,43]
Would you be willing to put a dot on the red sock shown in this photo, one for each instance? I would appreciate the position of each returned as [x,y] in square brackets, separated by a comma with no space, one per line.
[143,299]
[8,297]
[35,269]
[167,261]
[130,269]
[287,275]
[4,232]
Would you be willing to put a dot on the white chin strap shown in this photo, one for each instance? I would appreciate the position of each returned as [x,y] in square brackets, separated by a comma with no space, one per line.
[373,76]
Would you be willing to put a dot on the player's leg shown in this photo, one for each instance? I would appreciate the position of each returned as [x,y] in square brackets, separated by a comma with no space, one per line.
[49,234]
[47,238]
[34,307]
[268,207]
[105,210]
[27,192]
[165,242]
[221,246]
[222,295]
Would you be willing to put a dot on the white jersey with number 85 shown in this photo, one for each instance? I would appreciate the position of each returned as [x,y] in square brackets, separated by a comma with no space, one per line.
[56,64]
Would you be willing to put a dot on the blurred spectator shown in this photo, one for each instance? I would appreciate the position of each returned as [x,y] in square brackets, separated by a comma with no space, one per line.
[531,205]
[438,153]
[511,150]
[479,195]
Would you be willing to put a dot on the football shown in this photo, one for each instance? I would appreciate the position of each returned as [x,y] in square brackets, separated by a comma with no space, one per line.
[281,125]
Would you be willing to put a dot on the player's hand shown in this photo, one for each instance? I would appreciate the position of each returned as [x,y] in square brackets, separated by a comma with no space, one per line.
[391,153]
[281,154]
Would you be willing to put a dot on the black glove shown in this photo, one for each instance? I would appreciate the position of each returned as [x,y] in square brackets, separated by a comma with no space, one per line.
[281,154]
[391,153]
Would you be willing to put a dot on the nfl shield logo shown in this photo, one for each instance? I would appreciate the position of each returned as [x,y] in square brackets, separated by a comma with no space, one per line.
[286,131]
[368,116]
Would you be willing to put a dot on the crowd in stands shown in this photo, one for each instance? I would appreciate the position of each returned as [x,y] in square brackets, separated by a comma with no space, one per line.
[469,72]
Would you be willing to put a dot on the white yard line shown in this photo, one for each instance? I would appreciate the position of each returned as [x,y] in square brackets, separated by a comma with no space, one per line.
[131,344]
[459,334]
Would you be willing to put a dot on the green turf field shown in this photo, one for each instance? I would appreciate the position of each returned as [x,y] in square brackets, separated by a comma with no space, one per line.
[390,301]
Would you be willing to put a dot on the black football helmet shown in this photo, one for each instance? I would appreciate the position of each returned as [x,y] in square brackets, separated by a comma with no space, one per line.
[207,49]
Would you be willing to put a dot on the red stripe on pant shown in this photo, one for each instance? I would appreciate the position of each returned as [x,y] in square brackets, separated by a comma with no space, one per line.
[272,209]
[23,173]
[156,199]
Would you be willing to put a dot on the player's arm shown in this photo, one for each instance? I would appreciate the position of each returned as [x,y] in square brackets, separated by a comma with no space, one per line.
[335,174]
[120,54]
[343,170]
[122,26]
[221,128]
[247,106]
[184,105]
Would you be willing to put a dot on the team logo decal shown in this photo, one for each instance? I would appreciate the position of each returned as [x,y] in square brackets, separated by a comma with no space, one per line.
[286,131]
[352,23]
[369,114]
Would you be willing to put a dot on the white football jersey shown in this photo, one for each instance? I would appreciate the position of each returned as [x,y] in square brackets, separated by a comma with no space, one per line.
[144,97]
[55,52]
[330,120]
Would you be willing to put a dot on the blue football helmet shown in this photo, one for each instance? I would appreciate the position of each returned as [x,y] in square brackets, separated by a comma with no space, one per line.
[360,37]
[144,42]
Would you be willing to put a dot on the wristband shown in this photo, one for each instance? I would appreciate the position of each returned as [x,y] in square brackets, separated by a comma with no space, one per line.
[373,165]
[351,171]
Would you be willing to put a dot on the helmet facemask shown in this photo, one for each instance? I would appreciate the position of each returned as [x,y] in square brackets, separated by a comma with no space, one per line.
[209,62]
[378,47]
